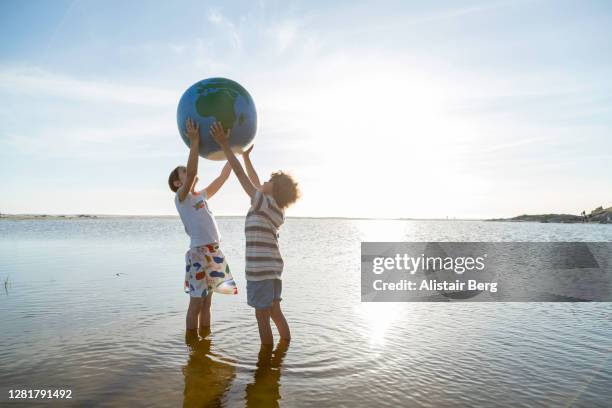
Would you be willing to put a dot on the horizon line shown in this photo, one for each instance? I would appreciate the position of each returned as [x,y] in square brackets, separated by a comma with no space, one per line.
[89,215]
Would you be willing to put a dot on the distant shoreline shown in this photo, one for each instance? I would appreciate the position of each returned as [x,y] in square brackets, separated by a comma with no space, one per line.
[597,216]
[18,217]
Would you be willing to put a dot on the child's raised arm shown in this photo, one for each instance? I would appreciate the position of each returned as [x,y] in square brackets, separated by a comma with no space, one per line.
[193,133]
[250,169]
[222,138]
[217,183]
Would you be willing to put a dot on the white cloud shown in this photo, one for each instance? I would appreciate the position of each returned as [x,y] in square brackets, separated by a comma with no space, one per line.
[81,118]
[145,134]
[218,19]
[31,80]
[285,34]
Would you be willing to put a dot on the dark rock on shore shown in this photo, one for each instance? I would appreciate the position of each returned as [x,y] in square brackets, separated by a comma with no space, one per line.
[599,215]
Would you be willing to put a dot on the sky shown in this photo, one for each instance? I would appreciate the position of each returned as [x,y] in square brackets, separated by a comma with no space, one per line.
[434,109]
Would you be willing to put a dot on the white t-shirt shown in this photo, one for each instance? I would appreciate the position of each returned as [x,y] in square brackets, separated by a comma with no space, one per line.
[199,222]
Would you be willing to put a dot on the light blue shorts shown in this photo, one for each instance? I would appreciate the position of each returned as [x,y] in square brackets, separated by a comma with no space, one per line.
[261,294]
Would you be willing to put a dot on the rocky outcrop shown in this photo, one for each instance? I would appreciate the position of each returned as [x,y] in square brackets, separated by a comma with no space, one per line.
[599,215]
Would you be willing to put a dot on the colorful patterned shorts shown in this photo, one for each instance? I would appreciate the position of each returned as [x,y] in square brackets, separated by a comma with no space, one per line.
[207,270]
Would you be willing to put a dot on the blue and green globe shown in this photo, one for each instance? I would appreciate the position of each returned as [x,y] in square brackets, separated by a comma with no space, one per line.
[218,100]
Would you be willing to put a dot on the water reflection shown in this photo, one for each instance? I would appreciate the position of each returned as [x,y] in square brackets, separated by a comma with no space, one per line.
[264,391]
[206,380]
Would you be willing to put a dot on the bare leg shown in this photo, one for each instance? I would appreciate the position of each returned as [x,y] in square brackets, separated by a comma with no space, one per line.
[280,321]
[195,305]
[263,322]
[191,337]
[204,317]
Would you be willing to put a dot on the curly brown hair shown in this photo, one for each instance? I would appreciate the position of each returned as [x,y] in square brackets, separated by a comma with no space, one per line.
[174,176]
[285,189]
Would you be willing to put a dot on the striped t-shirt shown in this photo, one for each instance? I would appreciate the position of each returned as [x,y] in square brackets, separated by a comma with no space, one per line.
[263,258]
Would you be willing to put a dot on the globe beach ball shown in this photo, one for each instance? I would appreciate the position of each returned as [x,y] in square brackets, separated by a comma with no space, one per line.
[218,100]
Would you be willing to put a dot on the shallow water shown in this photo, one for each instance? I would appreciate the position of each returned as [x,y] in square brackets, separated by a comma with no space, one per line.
[97,306]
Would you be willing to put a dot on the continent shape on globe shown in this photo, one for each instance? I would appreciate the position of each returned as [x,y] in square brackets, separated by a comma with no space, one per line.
[219,103]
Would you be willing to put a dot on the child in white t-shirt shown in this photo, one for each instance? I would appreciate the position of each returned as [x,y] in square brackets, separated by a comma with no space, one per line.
[206,267]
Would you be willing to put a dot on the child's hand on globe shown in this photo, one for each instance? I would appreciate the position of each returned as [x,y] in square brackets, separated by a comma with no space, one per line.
[248,151]
[217,133]
[193,130]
